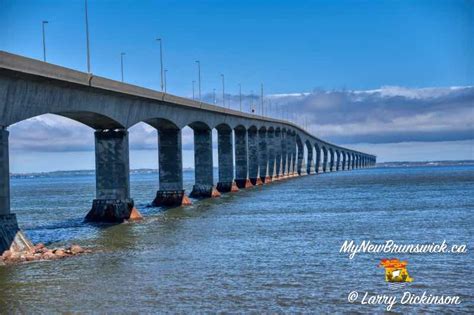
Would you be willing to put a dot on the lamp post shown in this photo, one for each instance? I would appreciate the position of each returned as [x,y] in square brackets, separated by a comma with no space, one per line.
[223,90]
[240,96]
[44,40]
[193,88]
[251,101]
[121,63]
[161,62]
[166,70]
[199,78]
[87,40]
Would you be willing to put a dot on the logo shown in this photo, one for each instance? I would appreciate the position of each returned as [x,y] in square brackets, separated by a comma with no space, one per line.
[396,273]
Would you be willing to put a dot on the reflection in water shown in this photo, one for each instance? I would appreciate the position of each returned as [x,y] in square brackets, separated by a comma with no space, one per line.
[273,248]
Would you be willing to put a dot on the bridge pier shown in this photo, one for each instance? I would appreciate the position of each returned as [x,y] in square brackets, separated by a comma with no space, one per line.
[300,163]
[338,160]
[253,157]
[226,161]
[310,167]
[241,159]
[11,237]
[284,155]
[263,157]
[171,192]
[343,161]
[277,148]
[291,148]
[203,166]
[113,202]
[271,154]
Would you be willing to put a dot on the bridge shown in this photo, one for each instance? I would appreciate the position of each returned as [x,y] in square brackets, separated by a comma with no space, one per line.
[264,149]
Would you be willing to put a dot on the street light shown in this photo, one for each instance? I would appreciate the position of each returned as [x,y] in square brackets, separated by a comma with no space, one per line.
[223,90]
[166,70]
[199,78]
[251,101]
[87,40]
[121,63]
[161,62]
[193,89]
[44,41]
[240,96]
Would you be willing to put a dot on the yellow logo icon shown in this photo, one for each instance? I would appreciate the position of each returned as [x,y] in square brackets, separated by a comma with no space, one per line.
[395,270]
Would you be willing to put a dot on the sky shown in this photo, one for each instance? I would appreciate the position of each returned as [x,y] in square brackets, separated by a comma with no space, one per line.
[392,78]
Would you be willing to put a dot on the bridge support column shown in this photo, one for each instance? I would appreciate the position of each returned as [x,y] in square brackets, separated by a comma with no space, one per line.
[310,166]
[338,160]
[203,166]
[241,159]
[263,157]
[291,148]
[325,160]
[318,168]
[170,160]
[254,172]
[113,202]
[11,237]
[271,154]
[277,148]
[332,166]
[284,155]
[226,161]
[343,161]
[300,163]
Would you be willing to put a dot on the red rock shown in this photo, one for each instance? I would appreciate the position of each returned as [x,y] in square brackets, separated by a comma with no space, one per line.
[76,249]
[6,255]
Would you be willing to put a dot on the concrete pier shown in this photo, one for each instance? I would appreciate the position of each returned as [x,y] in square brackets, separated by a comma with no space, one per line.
[325,160]
[277,147]
[284,155]
[241,159]
[113,202]
[271,154]
[291,149]
[226,160]
[263,169]
[11,237]
[171,192]
[317,167]
[344,167]
[338,160]
[253,157]
[203,166]
[310,167]
[300,163]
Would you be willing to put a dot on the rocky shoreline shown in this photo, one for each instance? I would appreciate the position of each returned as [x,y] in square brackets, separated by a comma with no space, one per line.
[40,253]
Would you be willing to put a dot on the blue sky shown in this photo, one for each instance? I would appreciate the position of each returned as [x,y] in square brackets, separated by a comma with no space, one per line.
[290,46]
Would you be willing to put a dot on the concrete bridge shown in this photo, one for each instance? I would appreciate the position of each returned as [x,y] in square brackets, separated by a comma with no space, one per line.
[265,149]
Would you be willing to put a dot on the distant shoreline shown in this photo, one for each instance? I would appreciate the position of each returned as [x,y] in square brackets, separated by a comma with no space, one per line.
[189,169]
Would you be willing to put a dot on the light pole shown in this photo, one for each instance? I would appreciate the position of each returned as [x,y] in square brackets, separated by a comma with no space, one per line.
[44,41]
[199,78]
[161,62]
[121,63]
[193,89]
[166,70]
[240,96]
[223,90]
[251,101]
[87,40]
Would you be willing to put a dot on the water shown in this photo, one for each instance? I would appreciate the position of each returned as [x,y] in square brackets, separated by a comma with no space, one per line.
[272,248]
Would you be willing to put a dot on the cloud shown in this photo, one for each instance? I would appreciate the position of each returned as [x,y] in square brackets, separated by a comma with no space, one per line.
[390,114]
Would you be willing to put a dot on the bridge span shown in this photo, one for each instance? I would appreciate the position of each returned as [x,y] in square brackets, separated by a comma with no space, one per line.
[252,150]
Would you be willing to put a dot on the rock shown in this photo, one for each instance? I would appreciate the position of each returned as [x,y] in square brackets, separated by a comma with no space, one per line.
[76,249]
[60,253]
[30,257]
[6,255]
[49,255]
[39,248]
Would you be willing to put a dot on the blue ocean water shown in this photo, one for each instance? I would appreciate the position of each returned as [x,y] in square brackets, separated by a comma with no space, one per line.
[267,249]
